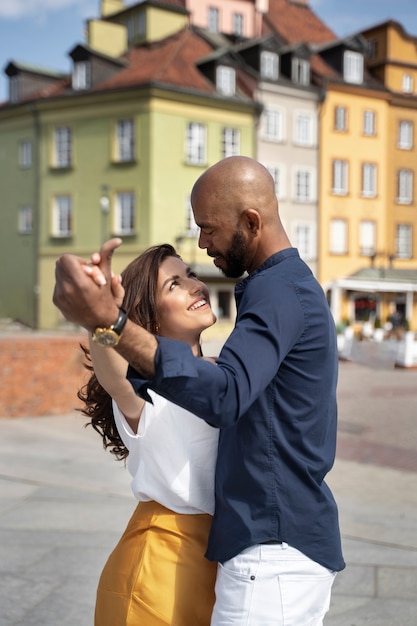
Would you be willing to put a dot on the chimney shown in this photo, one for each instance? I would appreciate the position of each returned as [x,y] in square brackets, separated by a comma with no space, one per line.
[262,6]
[110,7]
[261,9]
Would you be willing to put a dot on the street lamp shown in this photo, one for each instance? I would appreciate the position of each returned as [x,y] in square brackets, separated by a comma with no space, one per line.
[105,208]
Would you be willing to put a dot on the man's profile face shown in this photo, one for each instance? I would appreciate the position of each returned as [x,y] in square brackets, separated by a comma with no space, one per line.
[221,234]
[226,245]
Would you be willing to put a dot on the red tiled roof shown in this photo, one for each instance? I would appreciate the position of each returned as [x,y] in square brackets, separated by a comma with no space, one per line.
[297,22]
[171,61]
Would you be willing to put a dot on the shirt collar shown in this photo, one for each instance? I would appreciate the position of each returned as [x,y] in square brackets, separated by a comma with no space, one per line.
[276,258]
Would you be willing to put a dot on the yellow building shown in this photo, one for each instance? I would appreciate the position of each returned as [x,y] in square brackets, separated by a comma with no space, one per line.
[368,223]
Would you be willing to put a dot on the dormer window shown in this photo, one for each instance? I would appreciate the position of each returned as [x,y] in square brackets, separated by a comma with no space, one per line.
[353,67]
[372,48]
[130,25]
[25,81]
[226,80]
[269,65]
[14,88]
[81,75]
[300,71]
[141,24]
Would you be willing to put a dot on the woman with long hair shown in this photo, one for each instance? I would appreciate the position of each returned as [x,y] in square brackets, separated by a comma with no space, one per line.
[157,574]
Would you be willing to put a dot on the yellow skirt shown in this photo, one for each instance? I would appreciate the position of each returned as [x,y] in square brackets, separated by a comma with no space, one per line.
[157,574]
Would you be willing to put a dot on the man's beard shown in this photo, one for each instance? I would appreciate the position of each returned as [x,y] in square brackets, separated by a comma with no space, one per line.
[236,257]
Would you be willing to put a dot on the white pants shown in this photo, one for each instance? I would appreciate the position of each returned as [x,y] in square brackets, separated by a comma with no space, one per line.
[271,585]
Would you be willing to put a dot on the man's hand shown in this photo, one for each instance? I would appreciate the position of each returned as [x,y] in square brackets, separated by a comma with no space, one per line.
[80,299]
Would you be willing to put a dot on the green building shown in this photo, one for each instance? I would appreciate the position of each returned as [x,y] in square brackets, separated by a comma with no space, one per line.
[113,150]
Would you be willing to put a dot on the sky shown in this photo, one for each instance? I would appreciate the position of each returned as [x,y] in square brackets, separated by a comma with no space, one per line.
[43,32]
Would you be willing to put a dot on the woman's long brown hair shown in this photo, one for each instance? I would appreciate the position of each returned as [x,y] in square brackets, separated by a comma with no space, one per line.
[139,279]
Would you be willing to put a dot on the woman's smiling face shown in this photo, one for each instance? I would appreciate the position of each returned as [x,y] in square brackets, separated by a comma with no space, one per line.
[184,309]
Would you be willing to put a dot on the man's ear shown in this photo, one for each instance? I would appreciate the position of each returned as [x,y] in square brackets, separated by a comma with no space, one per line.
[252,221]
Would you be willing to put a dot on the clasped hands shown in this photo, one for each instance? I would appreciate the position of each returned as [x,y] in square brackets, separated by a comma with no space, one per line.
[88,293]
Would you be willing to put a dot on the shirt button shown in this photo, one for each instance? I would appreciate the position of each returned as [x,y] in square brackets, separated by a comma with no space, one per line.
[252,577]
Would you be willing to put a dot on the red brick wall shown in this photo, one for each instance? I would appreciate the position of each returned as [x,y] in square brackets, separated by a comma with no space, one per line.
[40,374]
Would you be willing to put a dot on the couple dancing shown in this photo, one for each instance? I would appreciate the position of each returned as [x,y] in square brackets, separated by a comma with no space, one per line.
[228,457]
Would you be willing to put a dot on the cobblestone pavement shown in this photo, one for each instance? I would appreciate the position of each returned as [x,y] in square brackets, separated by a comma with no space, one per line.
[375,483]
[64,503]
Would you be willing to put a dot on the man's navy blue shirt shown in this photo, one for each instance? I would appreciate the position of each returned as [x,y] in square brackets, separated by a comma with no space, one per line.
[273,395]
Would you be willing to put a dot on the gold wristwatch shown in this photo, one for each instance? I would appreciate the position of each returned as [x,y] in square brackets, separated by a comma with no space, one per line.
[110,337]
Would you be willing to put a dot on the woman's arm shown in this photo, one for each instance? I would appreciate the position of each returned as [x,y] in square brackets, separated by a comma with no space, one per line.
[110,369]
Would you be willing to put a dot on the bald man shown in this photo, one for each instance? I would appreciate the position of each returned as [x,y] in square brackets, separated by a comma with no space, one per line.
[275,532]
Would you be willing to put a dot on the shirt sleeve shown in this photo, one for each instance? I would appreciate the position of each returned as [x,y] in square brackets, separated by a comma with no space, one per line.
[269,323]
[126,433]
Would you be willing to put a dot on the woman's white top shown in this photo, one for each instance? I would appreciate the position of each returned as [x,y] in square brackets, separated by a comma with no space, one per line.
[171,457]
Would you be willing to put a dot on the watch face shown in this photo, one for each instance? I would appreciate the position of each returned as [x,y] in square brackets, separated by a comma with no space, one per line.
[106,337]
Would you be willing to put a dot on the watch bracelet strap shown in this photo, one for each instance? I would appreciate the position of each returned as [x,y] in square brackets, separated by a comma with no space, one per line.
[120,323]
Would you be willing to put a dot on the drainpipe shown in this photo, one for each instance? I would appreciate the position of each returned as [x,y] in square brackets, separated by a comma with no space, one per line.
[36,213]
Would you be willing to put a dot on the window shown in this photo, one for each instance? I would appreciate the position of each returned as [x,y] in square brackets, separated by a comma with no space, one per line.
[196,144]
[269,65]
[278,174]
[372,48]
[273,124]
[224,306]
[300,71]
[340,118]
[369,180]
[405,135]
[25,154]
[338,236]
[125,140]
[340,177]
[404,241]
[230,142]
[130,25]
[303,237]
[405,187]
[353,67]
[365,308]
[369,127]
[367,238]
[25,220]
[407,83]
[303,185]
[238,24]
[124,214]
[226,80]
[62,216]
[62,146]
[141,24]
[191,228]
[81,75]
[304,129]
[213,20]
[14,88]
